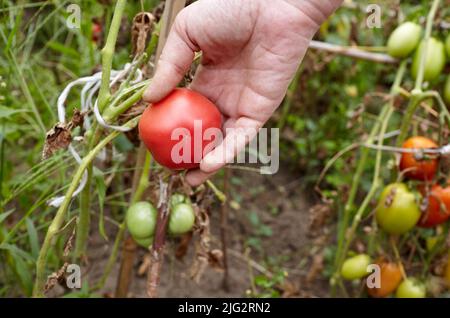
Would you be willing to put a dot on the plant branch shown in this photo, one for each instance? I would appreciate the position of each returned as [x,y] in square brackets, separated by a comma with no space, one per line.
[107,54]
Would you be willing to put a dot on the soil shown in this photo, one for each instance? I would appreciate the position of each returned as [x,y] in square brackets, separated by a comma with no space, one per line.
[278,240]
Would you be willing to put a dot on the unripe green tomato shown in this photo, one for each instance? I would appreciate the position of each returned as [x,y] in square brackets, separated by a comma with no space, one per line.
[141,219]
[144,242]
[177,198]
[404,39]
[397,211]
[355,267]
[447,90]
[447,45]
[434,60]
[411,288]
[181,219]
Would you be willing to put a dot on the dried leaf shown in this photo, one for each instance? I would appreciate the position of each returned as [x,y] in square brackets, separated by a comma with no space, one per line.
[316,268]
[183,246]
[318,216]
[59,136]
[56,277]
[142,25]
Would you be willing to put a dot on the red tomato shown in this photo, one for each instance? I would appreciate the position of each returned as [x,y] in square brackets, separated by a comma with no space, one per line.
[96,31]
[180,129]
[438,209]
[423,169]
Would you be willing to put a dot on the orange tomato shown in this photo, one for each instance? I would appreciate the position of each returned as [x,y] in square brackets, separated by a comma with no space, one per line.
[423,169]
[390,278]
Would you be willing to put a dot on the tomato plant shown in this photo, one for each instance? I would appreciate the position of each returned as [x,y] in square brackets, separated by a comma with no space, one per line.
[419,168]
[404,39]
[183,114]
[397,211]
[438,207]
[411,288]
[390,278]
[355,267]
[141,219]
[434,60]
[181,219]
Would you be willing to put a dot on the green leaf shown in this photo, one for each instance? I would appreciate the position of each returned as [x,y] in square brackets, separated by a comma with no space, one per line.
[33,236]
[4,215]
[58,47]
[23,273]
[101,191]
[253,218]
[6,111]
[15,250]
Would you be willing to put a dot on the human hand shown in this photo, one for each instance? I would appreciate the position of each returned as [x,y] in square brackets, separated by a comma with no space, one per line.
[250,52]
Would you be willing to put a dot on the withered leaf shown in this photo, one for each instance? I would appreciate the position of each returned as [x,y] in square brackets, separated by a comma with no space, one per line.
[142,25]
[59,137]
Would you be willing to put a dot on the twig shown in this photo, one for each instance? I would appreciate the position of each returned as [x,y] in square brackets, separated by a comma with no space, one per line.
[353,52]
[126,267]
[157,250]
[224,228]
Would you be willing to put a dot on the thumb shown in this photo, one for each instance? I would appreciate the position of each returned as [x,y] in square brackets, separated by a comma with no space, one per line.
[175,60]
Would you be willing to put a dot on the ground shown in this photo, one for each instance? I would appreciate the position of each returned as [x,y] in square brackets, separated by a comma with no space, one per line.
[279,226]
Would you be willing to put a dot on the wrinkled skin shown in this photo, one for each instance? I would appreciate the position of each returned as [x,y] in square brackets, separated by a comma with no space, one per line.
[251,50]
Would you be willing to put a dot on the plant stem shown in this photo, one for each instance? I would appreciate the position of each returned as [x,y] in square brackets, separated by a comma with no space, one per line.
[140,184]
[84,218]
[108,52]
[58,220]
[428,28]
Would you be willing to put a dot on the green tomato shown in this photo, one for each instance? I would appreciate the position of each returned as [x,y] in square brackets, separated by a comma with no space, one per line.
[404,39]
[141,219]
[447,90]
[397,211]
[355,267]
[181,219]
[411,288]
[177,198]
[447,45]
[144,242]
[434,60]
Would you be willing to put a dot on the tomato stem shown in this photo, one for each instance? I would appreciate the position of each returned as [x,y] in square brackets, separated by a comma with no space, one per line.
[108,52]
[58,220]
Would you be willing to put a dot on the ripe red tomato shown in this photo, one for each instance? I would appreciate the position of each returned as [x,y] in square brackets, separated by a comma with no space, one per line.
[438,209]
[180,129]
[419,169]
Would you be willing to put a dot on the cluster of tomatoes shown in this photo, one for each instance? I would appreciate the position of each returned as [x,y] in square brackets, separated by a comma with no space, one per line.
[406,40]
[399,208]
[141,219]
[398,211]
